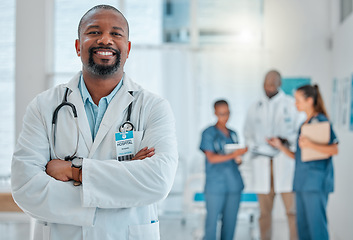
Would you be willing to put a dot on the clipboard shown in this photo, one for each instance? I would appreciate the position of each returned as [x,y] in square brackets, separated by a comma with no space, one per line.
[231,147]
[318,133]
[265,150]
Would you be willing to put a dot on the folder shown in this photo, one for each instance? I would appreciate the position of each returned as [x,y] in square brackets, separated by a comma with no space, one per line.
[318,133]
[231,147]
[265,150]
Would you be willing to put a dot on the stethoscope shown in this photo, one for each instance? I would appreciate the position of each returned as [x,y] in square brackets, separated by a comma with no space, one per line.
[125,127]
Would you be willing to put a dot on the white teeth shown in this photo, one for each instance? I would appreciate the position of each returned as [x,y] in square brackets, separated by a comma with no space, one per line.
[105,53]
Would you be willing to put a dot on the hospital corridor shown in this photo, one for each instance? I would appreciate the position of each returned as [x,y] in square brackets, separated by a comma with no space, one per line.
[176,120]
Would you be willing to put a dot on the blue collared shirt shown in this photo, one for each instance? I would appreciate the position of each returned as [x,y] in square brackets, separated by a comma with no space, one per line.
[95,113]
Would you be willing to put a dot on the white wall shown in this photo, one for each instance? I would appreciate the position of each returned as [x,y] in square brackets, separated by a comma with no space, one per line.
[340,205]
[296,38]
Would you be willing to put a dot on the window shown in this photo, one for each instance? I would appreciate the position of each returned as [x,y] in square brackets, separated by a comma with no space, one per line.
[235,22]
[7,85]
[67,16]
[168,7]
[144,17]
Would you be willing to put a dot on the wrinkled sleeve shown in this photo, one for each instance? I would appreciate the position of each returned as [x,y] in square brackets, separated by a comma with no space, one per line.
[114,184]
[36,193]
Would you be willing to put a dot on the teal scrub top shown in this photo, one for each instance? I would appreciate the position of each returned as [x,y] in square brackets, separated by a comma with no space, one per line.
[314,176]
[220,177]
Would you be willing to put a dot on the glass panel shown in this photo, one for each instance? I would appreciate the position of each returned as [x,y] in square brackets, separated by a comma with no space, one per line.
[145,28]
[221,21]
[67,16]
[7,67]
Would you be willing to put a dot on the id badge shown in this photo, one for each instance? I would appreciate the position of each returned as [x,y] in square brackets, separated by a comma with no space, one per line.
[124,142]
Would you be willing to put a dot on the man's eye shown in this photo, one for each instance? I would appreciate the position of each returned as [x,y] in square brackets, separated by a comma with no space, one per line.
[116,34]
[93,32]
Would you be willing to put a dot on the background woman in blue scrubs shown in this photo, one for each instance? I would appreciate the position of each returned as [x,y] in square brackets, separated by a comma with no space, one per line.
[223,180]
[313,180]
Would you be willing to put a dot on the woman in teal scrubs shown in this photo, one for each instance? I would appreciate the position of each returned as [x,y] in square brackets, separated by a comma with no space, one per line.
[313,180]
[223,180]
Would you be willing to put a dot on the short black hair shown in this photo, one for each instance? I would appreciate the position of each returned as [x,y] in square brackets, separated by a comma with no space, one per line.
[220,102]
[275,72]
[279,77]
[105,7]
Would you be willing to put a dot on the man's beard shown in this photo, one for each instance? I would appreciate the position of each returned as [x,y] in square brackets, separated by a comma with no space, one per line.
[103,70]
[271,94]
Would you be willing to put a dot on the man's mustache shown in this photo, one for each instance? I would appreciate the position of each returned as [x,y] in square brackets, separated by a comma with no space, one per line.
[92,49]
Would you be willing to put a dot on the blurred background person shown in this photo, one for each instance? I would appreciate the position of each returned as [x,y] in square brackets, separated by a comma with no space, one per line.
[224,183]
[313,180]
[272,116]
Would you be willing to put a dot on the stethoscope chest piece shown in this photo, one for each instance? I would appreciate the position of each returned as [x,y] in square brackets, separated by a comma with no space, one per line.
[126,127]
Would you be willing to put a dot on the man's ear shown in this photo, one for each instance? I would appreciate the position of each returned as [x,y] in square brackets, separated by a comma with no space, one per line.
[77,46]
[129,48]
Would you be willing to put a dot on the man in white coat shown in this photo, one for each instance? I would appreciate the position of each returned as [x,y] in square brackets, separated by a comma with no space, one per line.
[272,116]
[110,198]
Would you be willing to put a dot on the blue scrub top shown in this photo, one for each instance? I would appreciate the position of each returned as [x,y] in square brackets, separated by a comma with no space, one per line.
[314,176]
[220,177]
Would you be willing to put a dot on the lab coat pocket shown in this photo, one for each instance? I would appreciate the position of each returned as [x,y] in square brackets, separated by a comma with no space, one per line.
[144,232]
[137,140]
[41,231]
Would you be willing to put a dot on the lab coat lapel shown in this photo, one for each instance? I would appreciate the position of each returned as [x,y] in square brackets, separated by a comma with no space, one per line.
[76,98]
[114,113]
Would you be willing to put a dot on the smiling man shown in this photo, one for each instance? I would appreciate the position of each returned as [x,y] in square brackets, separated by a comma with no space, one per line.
[106,51]
[100,175]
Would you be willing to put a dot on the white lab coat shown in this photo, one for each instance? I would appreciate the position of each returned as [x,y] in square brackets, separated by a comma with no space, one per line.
[266,118]
[117,200]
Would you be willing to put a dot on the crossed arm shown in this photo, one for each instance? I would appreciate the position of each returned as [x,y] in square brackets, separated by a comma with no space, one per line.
[133,184]
[61,170]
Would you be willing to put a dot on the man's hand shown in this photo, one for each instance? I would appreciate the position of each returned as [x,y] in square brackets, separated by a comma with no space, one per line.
[275,142]
[59,169]
[144,153]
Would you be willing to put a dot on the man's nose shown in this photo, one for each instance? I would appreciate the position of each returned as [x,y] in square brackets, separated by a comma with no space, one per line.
[105,39]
